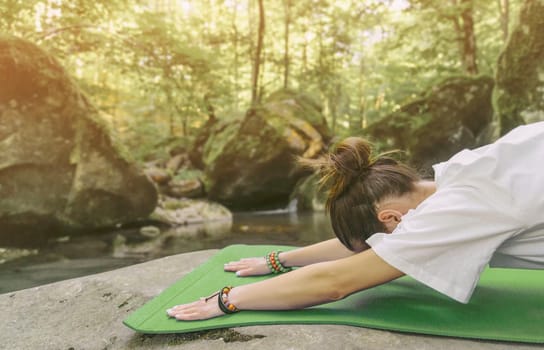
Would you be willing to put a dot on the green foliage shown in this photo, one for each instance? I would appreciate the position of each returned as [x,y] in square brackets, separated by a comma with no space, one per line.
[160,69]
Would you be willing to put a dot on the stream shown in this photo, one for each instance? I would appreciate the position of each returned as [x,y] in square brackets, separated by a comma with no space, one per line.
[74,256]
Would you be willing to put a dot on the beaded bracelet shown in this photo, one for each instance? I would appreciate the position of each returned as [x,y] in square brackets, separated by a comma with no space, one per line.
[274,264]
[223,301]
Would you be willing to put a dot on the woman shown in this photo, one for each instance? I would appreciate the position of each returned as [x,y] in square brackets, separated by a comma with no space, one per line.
[486,206]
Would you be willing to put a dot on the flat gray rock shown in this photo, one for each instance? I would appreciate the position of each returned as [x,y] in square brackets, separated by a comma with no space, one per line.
[87,313]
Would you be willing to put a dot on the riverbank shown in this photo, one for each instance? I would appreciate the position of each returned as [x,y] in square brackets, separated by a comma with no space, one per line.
[96,252]
[87,313]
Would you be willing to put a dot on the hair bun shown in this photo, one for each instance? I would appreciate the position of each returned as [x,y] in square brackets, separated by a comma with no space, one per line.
[349,160]
[352,157]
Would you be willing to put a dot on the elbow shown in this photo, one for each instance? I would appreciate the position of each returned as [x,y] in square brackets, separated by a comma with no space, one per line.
[342,289]
[328,282]
[335,295]
[336,289]
[341,283]
[341,278]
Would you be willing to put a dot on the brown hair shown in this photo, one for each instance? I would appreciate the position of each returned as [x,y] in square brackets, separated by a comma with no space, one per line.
[358,181]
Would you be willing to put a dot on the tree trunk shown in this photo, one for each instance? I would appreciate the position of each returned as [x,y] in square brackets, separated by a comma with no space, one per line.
[504,10]
[466,39]
[236,54]
[261,90]
[469,46]
[361,122]
[517,95]
[257,61]
[251,34]
[320,64]
[287,9]
[305,43]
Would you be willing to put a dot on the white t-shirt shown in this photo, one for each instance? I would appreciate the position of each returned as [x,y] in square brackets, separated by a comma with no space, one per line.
[488,209]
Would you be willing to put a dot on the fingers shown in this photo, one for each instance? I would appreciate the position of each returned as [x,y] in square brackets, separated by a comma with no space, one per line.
[198,310]
[187,314]
[248,267]
[234,266]
[241,264]
[241,270]
[181,309]
[245,272]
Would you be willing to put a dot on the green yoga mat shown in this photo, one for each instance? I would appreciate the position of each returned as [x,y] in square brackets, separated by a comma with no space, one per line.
[507,305]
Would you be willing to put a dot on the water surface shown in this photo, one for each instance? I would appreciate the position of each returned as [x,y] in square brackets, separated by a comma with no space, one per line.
[70,257]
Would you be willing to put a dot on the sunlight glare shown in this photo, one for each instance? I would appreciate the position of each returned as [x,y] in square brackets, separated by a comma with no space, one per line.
[400,5]
[39,11]
[185,5]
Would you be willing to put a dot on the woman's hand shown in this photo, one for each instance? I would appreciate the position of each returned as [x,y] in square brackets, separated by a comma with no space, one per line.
[248,267]
[199,310]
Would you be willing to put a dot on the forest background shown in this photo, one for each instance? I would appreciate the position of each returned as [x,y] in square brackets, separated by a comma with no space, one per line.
[135,129]
[158,69]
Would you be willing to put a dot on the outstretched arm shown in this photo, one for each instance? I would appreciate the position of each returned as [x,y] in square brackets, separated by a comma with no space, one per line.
[331,249]
[311,285]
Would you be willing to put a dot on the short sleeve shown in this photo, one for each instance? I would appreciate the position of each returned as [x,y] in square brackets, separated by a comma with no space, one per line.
[447,241]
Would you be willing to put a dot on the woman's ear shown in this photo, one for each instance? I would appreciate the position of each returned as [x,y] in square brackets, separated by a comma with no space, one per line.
[390,218]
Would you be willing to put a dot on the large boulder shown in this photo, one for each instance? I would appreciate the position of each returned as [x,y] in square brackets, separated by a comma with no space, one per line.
[88,313]
[308,195]
[249,162]
[59,167]
[519,90]
[453,115]
[184,211]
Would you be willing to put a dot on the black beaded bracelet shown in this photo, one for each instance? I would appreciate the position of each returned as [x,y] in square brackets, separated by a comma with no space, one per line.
[223,301]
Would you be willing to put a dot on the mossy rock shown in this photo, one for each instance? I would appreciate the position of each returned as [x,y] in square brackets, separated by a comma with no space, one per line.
[519,93]
[308,194]
[305,106]
[249,162]
[60,169]
[453,115]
